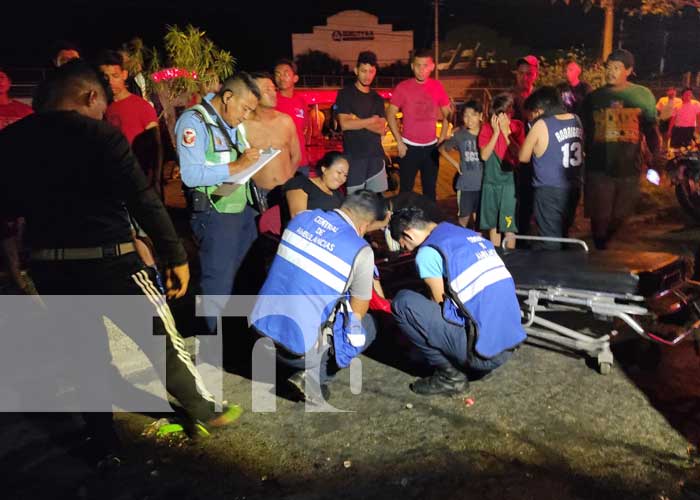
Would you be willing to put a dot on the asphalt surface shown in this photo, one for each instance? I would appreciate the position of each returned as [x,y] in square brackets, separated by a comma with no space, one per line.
[545,425]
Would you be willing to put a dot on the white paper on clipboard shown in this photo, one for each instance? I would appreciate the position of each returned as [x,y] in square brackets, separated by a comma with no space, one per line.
[237,180]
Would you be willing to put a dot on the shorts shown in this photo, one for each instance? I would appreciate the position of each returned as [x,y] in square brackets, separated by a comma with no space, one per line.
[609,198]
[468,202]
[498,208]
[367,173]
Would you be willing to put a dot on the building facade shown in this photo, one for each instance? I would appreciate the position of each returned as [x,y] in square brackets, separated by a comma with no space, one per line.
[349,32]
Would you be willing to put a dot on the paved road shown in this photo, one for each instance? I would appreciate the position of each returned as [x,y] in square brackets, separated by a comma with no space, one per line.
[545,426]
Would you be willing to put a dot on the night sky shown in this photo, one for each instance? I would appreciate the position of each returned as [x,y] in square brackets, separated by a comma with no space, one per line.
[257,33]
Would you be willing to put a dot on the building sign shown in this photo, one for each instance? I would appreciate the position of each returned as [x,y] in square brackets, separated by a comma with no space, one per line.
[352,36]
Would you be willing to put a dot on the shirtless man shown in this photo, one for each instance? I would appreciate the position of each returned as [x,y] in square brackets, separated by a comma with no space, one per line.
[268,127]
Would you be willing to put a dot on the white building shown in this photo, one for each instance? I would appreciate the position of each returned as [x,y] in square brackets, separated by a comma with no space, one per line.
[349,32]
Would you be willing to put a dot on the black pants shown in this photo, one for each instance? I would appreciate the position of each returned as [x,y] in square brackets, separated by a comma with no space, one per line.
[525,196]
[682,136]
[119,276]
[554,212]
[423,159]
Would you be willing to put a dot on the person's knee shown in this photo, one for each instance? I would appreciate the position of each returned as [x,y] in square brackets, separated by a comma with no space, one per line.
[402,302]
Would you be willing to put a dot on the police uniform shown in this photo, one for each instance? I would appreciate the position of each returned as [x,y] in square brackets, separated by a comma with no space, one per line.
[478,324]
[222,225]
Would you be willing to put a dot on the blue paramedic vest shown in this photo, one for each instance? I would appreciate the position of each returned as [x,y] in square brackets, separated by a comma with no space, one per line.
[479,288]
[307,282]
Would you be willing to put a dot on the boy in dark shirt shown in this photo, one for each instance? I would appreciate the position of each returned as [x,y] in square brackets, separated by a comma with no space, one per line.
[470,166]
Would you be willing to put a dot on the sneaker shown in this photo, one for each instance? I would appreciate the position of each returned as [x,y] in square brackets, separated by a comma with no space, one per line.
[307,392]
[228,416]
[446,380]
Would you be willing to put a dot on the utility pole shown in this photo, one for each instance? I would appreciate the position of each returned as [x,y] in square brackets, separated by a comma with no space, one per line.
[437,42]
[609,7]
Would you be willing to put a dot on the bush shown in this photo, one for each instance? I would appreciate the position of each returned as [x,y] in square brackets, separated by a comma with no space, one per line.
[553,71]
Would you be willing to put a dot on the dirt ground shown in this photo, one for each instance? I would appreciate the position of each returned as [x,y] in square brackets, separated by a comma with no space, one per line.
[544,426]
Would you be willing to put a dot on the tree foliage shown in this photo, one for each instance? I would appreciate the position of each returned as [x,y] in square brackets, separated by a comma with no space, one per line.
[640,7]
[553,70]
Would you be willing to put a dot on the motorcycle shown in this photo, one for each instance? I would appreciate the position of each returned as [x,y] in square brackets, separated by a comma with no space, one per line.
[684,172]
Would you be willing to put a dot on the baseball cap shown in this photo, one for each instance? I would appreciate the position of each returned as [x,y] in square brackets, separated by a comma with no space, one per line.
[622,55]
[529,59]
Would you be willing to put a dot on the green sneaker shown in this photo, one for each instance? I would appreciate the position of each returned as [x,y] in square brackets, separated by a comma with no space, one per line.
[228,416]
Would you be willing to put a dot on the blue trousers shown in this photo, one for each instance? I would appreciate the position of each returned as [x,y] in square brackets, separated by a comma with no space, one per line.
[319,363]
[224,240]
[441,343]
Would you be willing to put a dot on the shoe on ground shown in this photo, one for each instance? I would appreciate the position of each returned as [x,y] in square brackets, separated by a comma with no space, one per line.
[307,392]
[230,414]
[446,380]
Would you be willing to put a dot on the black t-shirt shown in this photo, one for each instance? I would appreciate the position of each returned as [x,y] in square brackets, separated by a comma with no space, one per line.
[317,197]
[73,178]
[360,143]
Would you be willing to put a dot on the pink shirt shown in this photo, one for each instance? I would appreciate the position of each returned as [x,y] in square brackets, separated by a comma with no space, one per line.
[420,104]
[296,107]
[686,114]
[131,115]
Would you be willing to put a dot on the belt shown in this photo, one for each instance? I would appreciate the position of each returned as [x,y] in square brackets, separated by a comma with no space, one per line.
[83,253]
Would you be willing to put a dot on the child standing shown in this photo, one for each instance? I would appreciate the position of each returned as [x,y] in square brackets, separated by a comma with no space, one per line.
[555,146]
[470,166]
[500,139]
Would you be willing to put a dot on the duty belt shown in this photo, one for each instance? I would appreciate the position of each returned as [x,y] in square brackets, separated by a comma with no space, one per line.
[83,253]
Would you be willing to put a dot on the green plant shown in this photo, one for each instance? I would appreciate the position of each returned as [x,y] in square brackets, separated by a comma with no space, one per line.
[553,71]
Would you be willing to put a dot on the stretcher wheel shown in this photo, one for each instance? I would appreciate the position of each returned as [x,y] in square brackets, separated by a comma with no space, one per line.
[605,368]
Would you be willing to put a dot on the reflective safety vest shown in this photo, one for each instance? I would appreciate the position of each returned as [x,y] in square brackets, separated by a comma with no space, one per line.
[479,288]
[218,153]
[308,282]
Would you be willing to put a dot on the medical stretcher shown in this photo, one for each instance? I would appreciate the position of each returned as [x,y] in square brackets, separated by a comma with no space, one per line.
[648,292]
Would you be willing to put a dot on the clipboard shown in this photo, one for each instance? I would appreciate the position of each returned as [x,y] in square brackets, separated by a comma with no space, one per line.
[231,184]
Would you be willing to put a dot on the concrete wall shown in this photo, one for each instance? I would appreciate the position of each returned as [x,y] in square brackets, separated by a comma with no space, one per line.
[352,31]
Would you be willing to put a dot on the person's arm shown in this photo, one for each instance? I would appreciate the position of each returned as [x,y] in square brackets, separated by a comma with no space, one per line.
[374,124]
[531,142]
[650,128]
[292,140]
[297,200]
[192,139]
[488,149]
[445,110]
[361,282]
[437,289]
[430,268]
[445,148]
[129,183]
[394,127]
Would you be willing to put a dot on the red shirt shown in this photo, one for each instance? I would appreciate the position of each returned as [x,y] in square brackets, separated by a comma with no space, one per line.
[12,112]
[420,104]
[131,115]
[517,136]
[296,107]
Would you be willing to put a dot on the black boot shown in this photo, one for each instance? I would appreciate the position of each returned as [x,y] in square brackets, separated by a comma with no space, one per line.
[446,380]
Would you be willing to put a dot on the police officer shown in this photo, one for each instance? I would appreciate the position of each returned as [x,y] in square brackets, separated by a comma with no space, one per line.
[80,235]
[324,270]
[211,149]
[472,323]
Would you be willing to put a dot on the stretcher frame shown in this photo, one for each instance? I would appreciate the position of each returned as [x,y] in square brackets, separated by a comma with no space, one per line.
[631,310]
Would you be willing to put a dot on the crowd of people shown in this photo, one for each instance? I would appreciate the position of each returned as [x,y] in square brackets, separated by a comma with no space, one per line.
[520,158]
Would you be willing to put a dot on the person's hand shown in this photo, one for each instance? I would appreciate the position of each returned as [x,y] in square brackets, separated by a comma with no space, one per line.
[249,156]
[377,124]
[494,124]
[403,149]
[177,278]
[504,124]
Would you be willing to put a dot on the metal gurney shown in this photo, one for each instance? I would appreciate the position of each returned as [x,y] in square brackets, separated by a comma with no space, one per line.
[648,292]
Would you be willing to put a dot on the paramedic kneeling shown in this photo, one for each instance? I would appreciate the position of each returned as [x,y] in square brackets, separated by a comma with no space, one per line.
[324,270]
[472,324]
